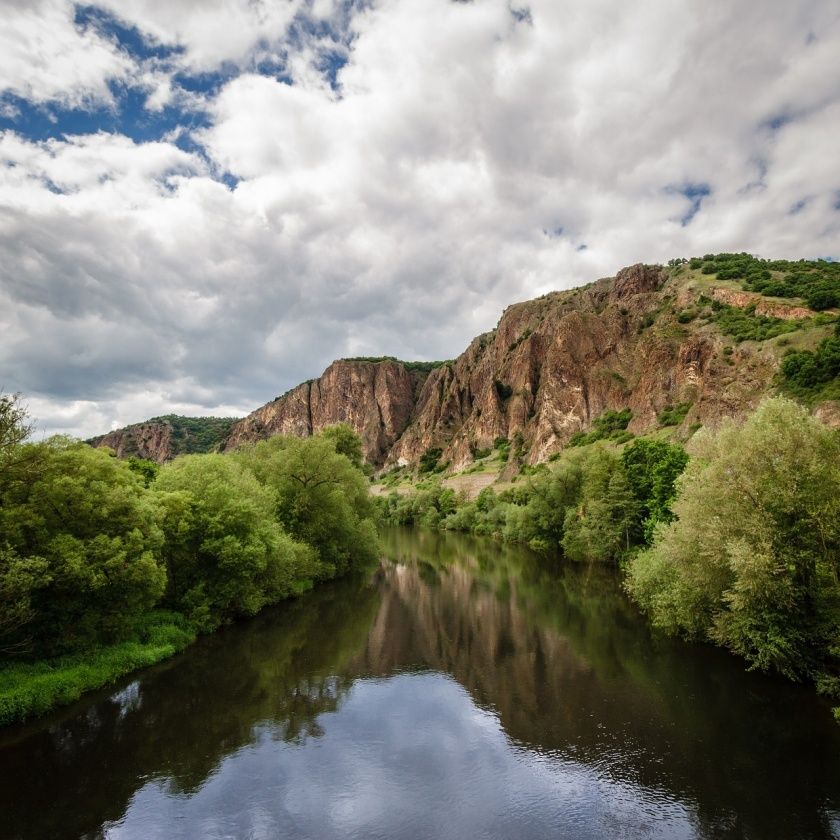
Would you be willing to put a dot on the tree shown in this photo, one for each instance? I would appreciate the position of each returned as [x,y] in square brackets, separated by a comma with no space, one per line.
[225,553]
[601,525]
[15,428]
[652,468]
[752,560]
[322,499]
[346,442]
[540,520]
[81,547]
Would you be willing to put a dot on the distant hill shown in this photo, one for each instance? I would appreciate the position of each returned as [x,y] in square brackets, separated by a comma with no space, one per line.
[162,438]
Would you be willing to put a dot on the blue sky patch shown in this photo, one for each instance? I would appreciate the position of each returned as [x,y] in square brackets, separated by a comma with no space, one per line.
[695,193]
[129,38]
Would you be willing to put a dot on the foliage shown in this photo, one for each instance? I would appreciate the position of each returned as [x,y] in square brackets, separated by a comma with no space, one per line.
[601,525]
[16,461]
[429,460]
[91,544]
[592,505]
[81,547]
[411,367]
[226,554]
[322,498]
[502,446]
[147,470]
[652,468]
[611,425]
[429,505]
[14,426]
[673,415]
[745,325]
[751,561]
[816,281]
[346,442]
[812,375]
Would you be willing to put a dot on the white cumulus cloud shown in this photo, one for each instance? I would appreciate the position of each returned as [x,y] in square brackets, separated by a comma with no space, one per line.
[402,171]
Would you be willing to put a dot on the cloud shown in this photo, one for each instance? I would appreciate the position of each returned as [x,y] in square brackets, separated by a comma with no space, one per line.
[380,177]
[45,56]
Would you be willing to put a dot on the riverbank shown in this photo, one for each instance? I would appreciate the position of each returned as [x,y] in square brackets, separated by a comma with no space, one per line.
[31,689]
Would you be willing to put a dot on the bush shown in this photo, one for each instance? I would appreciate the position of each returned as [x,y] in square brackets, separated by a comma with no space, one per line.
[816,281]
[673,415]
[611,425]
[745,325]
[429,460]
[814,374]
[751,560]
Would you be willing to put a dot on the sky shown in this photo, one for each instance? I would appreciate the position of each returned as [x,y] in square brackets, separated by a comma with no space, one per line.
[204,202]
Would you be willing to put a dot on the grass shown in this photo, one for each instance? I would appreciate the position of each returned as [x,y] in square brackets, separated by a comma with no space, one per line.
[30,689]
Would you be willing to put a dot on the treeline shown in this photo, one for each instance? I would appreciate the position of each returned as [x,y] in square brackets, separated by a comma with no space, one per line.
[738,545]
[107,564]
[594,504]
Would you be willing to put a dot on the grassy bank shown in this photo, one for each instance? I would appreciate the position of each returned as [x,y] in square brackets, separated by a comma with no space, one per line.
[30,689]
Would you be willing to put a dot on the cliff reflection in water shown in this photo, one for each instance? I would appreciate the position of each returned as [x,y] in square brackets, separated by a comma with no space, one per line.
[298,714]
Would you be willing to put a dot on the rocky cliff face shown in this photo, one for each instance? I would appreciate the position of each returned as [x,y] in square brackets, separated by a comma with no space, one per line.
[644,340]
[547,371]
[151,440]
[555,364]
[376,398]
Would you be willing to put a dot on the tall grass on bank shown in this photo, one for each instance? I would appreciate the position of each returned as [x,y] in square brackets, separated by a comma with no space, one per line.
[30,689]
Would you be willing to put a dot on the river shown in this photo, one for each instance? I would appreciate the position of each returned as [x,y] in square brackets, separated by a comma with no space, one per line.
[463,690]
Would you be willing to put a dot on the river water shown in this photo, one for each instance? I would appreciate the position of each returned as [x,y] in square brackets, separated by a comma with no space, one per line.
[464,690]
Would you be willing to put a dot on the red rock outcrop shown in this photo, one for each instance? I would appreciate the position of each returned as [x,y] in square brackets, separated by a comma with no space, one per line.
[151,440]
[375,398]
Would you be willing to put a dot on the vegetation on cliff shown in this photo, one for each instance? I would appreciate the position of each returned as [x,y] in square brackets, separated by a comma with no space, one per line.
[813,375]
[179,436]
[106,565]
[817,282]
[412,367]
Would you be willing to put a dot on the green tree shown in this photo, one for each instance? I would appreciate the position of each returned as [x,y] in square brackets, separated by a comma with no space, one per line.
[752,559]
[81,546]
[601,525]
[652,468]
[16,461]
[540,520]
[346,442]
[225,553]
[322,498]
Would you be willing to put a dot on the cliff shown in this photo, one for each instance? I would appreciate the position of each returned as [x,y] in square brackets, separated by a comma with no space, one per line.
[376,398]
[162,438]
[649,339]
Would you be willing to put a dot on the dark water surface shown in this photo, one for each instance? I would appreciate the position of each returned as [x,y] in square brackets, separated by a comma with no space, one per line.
[467,690]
